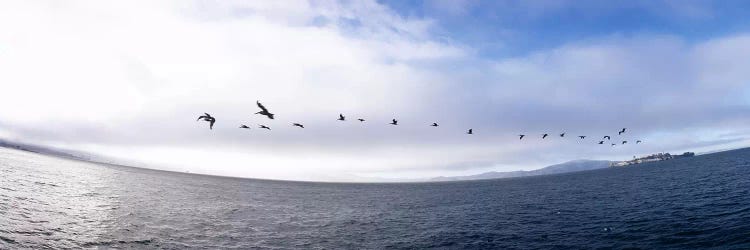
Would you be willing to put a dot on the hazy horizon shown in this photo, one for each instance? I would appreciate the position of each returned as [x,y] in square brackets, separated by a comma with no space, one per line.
[127,80]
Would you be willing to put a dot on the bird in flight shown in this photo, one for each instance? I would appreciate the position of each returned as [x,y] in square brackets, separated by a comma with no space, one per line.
[613,144]
[601,142]
[623,142]
[562,135]
[298,125]
[394,122]
[606,137]
[341,117]
[621,131]
[520,137]
[244,126]
[361,120]
[264,126]
[638,141]
[210,119]
[263,110]
[582,137]
[471,132]
[544,136]
[434,124]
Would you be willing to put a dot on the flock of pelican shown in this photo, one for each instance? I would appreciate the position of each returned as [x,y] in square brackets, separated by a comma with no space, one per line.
[264,111]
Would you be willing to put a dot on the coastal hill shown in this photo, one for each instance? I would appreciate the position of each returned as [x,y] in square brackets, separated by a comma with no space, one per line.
[70,154]
[571,166]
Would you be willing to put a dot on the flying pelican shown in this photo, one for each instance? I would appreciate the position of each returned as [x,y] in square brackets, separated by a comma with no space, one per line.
[601,142]
[544,136]
[623,142]
[621,131]
[244,126]
[520,137]
[606,137]
[638,141]
[265,127]
[434,124]
[471,132]
[298,125]
[361,120]
[341,117]
[210,119]
[582,137]
[394,122]
[263,110]
[562,135]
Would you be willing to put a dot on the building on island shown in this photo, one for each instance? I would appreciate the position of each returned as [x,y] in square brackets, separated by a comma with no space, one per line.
[651,158]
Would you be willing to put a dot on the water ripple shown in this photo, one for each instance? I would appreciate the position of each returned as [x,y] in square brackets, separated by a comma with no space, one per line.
[47,202]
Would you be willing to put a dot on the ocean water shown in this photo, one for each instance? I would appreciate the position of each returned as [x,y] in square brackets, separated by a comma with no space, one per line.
[700,202]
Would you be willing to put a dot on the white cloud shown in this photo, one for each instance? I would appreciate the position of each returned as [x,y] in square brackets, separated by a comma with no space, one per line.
[129,79]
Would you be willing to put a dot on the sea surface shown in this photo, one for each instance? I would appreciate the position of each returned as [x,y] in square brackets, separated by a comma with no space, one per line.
[700,202]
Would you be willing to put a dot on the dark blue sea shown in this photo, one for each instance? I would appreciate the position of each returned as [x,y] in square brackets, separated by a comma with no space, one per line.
[700,202]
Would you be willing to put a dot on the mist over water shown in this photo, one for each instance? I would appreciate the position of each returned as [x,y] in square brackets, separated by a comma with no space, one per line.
[697,202]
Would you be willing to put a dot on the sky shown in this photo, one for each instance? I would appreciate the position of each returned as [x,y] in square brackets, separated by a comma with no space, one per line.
[127,79]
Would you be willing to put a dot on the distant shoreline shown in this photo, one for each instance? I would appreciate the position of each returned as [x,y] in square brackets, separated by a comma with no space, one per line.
[549,170]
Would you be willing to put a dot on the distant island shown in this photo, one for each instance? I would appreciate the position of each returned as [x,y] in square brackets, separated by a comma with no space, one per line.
[652,158]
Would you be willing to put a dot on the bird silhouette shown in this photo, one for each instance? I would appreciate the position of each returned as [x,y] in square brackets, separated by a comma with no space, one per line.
[264,126]
[210,119]
[360,119]
[621,131]
[623,142]
[298,125]
[582,137]
[263,110]
[601,142]
[638,141]
[341,117]
[471,132]
[613,144]
[606,137]
[544,136]
[520,137]
[244,126]
[562,135]
[394,122]
[434,124]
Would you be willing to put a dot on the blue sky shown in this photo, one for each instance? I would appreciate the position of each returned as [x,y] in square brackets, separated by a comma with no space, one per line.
[512,28]
[126,80]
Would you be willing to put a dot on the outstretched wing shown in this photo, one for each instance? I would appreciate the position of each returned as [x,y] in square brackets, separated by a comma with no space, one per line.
[261,107]
[211,126]
[201,117]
